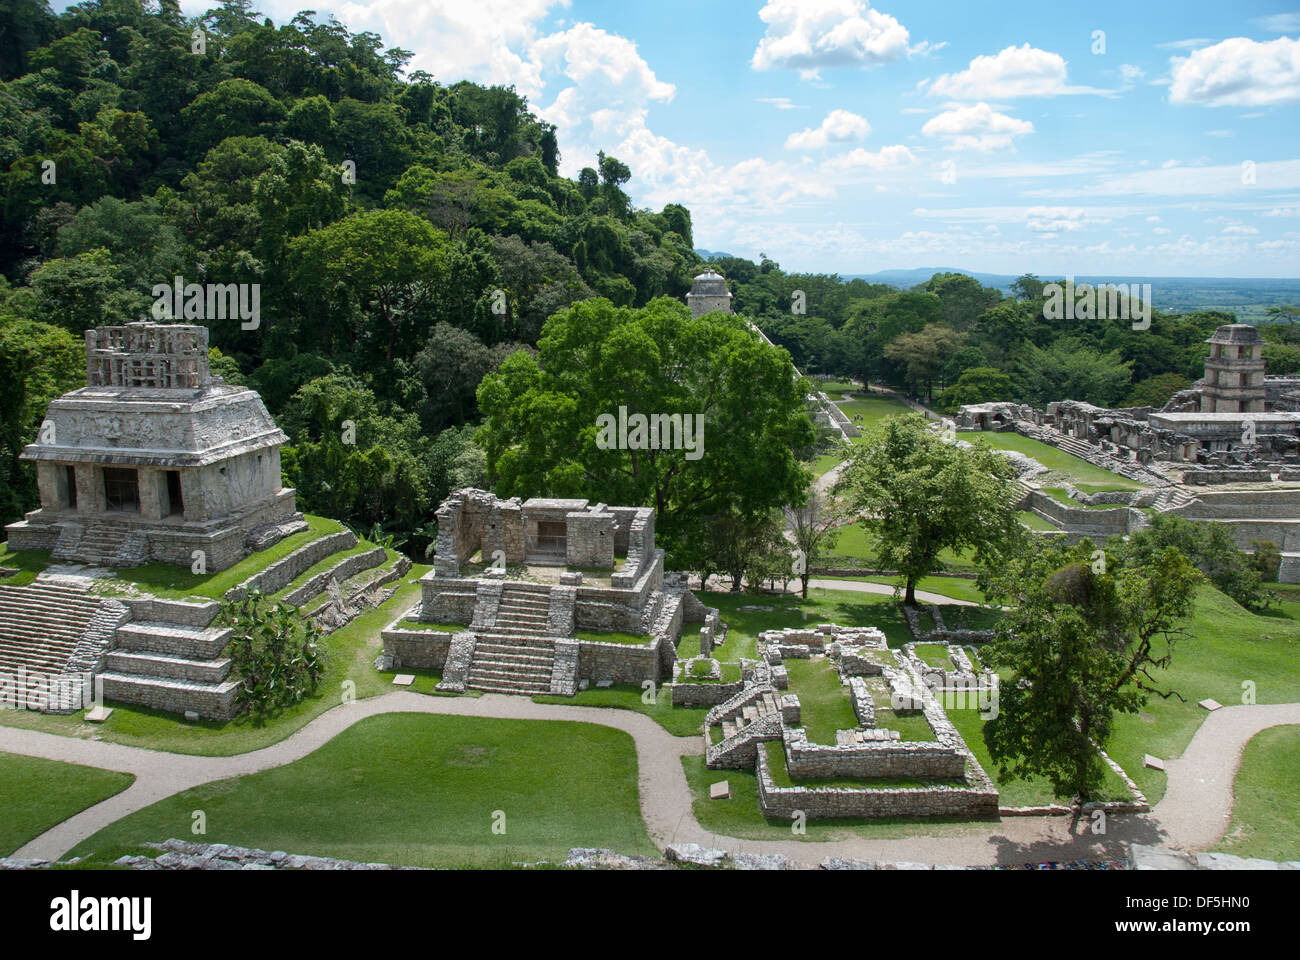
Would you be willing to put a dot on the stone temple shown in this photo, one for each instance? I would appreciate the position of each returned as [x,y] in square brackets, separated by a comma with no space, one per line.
[156,459]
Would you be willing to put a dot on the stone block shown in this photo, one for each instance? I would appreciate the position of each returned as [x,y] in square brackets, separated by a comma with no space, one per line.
[720,790]
[98,714]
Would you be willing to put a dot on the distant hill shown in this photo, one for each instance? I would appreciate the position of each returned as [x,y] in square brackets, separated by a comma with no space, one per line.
[710,254]
[1247,297]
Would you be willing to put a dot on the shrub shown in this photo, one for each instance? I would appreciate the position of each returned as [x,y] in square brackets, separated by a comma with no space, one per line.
[276,654]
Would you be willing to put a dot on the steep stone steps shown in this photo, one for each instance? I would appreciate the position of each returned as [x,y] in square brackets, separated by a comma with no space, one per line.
[41,624]
[504,663]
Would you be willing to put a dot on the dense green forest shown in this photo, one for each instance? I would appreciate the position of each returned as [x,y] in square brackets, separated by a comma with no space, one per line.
[409,235]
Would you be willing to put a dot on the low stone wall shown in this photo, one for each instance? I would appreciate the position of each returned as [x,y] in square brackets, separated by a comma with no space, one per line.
[1118,521]
[875,758]
[287,569]
[620,662]
[703,694]
[416,649]
[345,568]
[177,696]
[173,611]
[976,802]
[1207,477]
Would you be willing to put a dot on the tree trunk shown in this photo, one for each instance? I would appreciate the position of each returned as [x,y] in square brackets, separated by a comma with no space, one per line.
[909,598]
[805,579]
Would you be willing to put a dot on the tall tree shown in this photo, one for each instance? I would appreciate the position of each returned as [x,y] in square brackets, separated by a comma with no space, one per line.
[918,495]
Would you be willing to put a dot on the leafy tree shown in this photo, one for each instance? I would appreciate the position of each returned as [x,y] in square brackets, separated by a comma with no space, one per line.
[978,385]
[918,495]
[1156,391]
[38,363]
[1082,638]
[923,354]
[1208,546]
[1071,370]
[544,433]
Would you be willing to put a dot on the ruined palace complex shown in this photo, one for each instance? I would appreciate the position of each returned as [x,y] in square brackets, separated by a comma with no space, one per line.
[1226,450]
[155,459]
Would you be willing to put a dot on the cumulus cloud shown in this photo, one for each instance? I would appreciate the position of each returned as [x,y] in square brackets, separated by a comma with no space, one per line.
[1023,71]
[840,126]
[1239,72]
[882,159]
[808,35]
[1059,219]
[976,127]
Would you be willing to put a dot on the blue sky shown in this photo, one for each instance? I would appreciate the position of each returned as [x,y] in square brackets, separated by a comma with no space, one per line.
[837,135]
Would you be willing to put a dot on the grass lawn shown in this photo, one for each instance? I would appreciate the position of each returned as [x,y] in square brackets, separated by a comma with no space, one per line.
[421,790]
[613,636]
[1071,467]
[1034,522]
[911,727]
[1228,646]
[958,588]
[935,654]
[873,408]
[853,549]
[688,645]
[845,607]
[434,627]
[351,650]
[679,721]
[37,794]
[824,705]
[177,583]
[1021,793]
[28,563]
[739,815]
[1266,810]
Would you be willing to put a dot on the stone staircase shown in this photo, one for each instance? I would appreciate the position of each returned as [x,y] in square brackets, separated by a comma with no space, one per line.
[172,666]
[1171,498]
[512,663]
[524,609]
[104,544]
[41,624]
[749,718]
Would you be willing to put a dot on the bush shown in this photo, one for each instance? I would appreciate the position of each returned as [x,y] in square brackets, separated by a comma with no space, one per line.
[276,654]
[1209,547]
[1267,559]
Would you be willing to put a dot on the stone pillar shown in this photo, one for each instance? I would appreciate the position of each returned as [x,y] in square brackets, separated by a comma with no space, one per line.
[90,490]
[152,499]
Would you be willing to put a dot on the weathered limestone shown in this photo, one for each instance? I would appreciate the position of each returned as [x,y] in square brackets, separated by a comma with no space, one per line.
[155,459]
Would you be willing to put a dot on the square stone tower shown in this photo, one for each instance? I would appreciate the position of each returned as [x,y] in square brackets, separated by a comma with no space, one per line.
[708,293]
[1234,371]
[155,459]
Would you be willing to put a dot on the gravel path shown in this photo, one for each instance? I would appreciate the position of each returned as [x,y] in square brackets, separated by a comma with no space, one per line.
[1193,815]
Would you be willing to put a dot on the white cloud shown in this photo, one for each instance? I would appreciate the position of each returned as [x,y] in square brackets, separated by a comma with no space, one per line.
[883,159]
[1023,71]
[840,126]
[1184,44]
[781,103]
[1282,212]
[1239,72]
[809,35]
[1240,230]
[1059,219]
[976,127]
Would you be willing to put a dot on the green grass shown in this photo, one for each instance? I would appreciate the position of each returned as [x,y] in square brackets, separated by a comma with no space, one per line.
[1034,522]
[775,754]
[176,583]
[688,645]
[853,549]
[872,408]
[845,607]
[1033,792]
[1058,461]
[1228,646]
[422,790]
[911,727]
[1266,808]
[958,588]
[935,654]
[351,650]
[824,705]
[679,721]
[614,636]
[433,627]
[1060,496]
[28,563]
[37,794]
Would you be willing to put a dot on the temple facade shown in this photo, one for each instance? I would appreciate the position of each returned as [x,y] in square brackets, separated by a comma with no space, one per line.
[156,459]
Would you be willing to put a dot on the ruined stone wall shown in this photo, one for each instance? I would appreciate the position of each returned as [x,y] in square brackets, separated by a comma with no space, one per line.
[589,539]
[285,570]
[417,649]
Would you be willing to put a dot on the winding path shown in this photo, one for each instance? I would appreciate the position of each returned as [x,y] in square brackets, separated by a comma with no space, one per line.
[1193,815]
